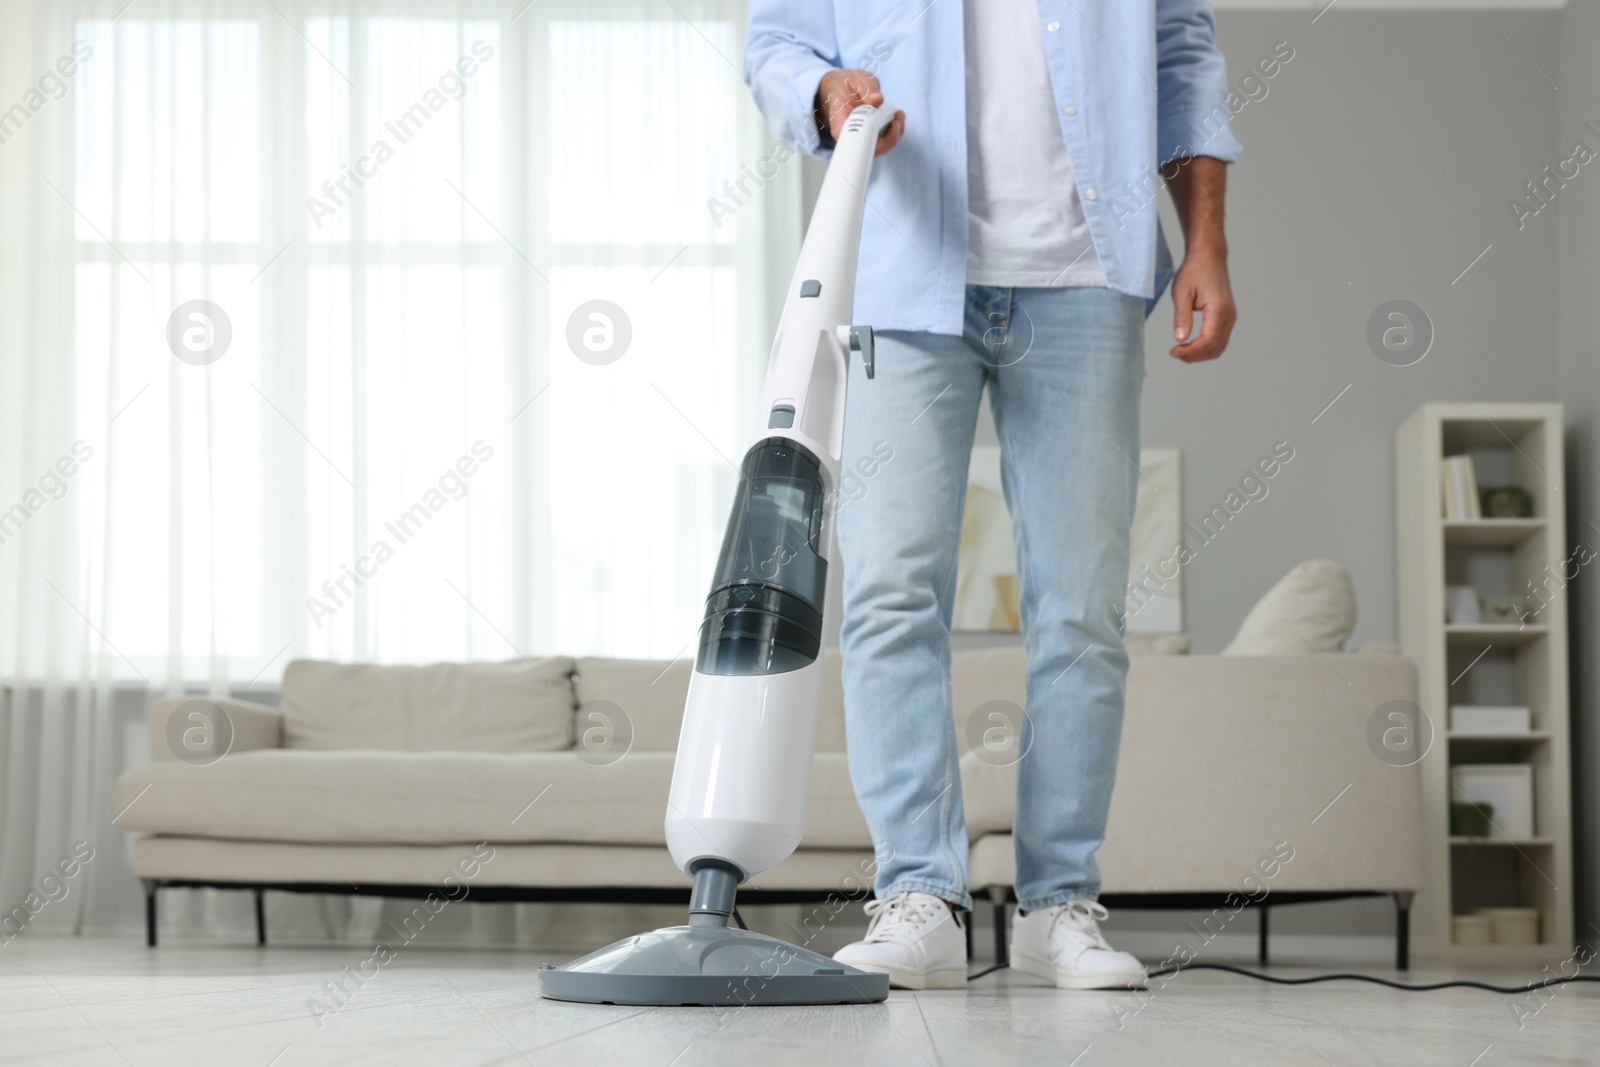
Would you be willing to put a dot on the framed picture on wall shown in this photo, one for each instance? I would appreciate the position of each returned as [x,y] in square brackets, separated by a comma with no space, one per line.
[988,591]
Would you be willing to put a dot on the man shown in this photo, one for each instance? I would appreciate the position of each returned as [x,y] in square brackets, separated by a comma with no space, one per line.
[1011,242]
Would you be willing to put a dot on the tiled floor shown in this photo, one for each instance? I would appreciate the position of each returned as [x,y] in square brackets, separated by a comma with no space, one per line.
[112,1001]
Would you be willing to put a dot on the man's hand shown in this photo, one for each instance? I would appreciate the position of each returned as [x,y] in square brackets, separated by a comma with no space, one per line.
[1201,284]
[842,91]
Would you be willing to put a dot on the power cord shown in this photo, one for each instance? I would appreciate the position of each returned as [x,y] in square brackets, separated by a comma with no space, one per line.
[1459,983]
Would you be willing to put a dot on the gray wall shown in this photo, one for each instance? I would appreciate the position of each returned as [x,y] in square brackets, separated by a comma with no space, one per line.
[1579,257]
[1392,157]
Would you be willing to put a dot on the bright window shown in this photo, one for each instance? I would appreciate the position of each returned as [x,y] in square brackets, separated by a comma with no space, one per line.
[401,455]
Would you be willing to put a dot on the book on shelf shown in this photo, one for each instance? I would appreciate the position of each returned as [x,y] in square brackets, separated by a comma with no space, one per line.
[1459,482]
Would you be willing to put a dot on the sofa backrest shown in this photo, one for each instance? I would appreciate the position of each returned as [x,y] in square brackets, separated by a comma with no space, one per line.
[539,705]
[652,693]
[522,706]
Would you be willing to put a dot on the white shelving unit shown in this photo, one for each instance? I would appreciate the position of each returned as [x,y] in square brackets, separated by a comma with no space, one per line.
[1518,444]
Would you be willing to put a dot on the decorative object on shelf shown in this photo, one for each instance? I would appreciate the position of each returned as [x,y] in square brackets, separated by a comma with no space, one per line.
[1507,502]
[1459,483]
[1506,610]
[1511,926]
[1461,606]
[1471,820]
[1506,787]
[988,591]
[1471,929]
[1490,719]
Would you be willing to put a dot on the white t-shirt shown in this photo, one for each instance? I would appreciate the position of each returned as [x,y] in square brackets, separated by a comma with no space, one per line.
[1025,221]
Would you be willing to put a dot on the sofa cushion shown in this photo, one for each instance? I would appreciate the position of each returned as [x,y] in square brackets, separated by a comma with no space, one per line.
[652,694]
[1141,644]
[1311,609]
[522,706]
[978,678]
[360,797]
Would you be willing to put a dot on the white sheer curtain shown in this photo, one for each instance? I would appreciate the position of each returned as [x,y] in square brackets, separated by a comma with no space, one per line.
[286,365]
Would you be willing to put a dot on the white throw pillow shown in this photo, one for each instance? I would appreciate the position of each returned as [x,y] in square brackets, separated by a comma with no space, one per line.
[1311,609]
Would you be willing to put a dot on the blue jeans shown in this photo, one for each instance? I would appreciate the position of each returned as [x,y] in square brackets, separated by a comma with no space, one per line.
[1064,368]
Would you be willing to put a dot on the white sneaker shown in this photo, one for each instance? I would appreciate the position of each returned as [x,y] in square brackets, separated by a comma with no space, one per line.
[1063,944]
[915,939]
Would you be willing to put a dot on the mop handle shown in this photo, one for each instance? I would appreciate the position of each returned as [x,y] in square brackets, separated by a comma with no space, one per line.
[877,119]
[828,253]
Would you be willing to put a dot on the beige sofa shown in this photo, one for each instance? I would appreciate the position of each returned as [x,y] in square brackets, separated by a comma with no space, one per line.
[378,779]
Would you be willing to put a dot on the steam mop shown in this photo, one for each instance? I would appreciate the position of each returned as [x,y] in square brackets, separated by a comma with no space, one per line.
[743,772]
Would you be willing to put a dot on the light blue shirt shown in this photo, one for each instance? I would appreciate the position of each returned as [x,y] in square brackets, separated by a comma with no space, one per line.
[1136,86]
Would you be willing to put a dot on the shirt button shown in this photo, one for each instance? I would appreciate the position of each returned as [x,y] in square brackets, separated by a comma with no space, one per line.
[1089,194]
[1069,111]
[1053,27]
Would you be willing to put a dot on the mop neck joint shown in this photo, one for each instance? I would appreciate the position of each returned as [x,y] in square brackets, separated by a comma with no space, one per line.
[715,883]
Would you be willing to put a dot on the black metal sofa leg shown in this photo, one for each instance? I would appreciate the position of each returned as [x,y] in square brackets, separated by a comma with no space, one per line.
[997,896]
[1402,928]
[150,888]
[1261,934]
[261,917]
